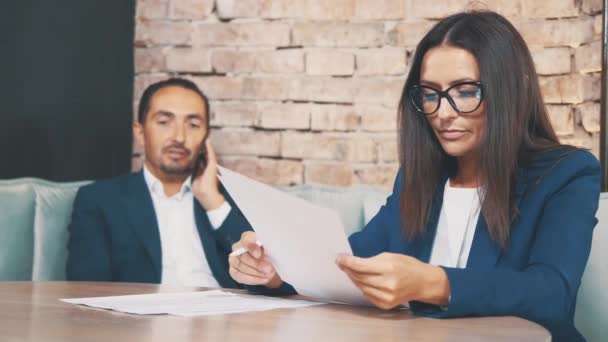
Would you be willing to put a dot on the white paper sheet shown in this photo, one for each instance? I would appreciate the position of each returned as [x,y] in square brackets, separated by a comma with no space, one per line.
[188,304]
[301,239]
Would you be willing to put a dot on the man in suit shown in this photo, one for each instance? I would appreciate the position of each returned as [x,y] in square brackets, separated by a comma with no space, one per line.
[170,223]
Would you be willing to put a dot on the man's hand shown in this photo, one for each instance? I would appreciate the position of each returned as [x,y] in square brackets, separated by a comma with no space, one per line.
[252,267]
[205,186]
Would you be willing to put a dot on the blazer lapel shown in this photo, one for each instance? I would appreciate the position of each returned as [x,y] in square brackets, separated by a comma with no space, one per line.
[217,260]
[142,217]
[484,251]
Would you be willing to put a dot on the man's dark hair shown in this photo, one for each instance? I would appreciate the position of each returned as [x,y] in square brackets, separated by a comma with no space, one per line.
[146,97]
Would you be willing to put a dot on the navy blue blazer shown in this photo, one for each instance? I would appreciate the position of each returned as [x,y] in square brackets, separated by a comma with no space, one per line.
[538,275]
[114,234]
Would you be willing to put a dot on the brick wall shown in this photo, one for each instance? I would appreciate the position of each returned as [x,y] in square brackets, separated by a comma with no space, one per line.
[306,91]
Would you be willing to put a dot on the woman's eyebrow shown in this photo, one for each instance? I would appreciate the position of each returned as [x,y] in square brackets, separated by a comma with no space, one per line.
[437,85]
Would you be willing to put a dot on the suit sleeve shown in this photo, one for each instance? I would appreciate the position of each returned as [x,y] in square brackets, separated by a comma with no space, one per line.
[88,245]
[546,289]
[373,238]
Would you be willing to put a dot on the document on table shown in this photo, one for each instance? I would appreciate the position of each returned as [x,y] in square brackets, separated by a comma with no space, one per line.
[302,240]
[188,304]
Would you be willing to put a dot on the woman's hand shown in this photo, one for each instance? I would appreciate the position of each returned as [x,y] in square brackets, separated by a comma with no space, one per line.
[389,280]
[252,267]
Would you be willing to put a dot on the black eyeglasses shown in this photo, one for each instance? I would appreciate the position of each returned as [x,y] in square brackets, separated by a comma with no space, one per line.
[464,97]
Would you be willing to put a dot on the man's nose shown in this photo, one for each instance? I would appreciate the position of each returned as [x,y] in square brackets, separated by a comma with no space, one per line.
[180,133]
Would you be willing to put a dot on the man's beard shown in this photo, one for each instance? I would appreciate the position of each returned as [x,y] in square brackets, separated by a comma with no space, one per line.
[176,170]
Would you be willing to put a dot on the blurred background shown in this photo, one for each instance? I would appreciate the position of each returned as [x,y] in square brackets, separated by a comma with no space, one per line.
[301,91]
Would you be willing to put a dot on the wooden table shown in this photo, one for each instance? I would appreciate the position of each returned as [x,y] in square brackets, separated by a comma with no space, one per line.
[31,311]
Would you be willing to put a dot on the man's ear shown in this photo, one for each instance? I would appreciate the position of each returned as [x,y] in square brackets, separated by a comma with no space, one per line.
[138,133]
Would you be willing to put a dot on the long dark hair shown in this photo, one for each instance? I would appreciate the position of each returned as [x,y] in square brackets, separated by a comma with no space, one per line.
[517,124]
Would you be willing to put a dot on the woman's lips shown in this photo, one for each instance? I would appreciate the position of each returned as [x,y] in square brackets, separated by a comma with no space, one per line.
[451,134]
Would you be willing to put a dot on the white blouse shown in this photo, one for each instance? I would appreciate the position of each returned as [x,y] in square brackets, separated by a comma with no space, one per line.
[456,227]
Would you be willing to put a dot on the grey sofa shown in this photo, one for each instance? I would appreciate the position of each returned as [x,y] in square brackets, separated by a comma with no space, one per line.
[34,215]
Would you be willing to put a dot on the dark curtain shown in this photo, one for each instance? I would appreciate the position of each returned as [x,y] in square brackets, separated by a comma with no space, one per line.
[66,76]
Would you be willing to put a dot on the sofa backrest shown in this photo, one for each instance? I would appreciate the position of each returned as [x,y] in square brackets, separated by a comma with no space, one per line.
[591,316]
[35,214]
[33,228]
[356,205]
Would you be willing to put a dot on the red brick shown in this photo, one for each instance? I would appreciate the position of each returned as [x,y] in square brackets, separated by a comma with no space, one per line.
[565,32]
[380,9]
[328,173]
[152,9]
[160,32]
[322,89]
[230,9]
[552,61]
[233,61]
[280,61]
[265,61]
[589,114]
[550,9]
[142,81]
[592,87]
[438,9]
[377,175]
[149,59]
[189,60]
[334,34]
[592,6]
[241,34]
[334,118]
[220,88]
[408,33]
[385,91]
[588,58]
[246,142]
[190,9]
[561,119]
[266,88]
[269,171]
[310,10]
[562,89]
[384,61]
[378,118]
[314,146]
[361,149]
[284,116]
[388,150]
[280,9]
[233,113]
[329,62]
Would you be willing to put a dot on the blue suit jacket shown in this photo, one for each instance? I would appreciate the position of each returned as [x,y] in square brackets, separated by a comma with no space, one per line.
[538,275]
[114,234]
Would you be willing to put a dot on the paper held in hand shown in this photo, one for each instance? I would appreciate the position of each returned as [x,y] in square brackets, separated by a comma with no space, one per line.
[302,240]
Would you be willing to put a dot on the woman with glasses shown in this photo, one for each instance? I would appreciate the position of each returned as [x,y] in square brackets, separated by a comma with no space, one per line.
[490,215]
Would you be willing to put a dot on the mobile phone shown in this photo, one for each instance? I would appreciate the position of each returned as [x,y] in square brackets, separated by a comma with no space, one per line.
[201,162]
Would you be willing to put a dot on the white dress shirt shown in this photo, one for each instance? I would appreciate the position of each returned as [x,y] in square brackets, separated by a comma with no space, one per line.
[183,260]
[456,227]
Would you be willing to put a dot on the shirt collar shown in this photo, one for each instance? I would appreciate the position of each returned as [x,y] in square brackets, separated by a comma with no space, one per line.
[155,186]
